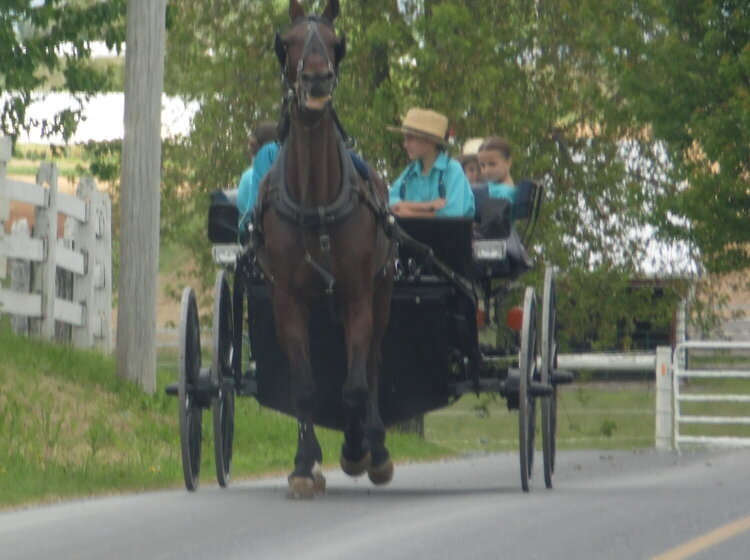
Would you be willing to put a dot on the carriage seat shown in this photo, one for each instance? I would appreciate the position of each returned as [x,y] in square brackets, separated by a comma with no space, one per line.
[223,217]
[456,244]
[526,198]
[496,218]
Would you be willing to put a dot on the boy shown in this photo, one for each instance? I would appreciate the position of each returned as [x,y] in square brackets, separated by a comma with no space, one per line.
[263,138]
[433,184]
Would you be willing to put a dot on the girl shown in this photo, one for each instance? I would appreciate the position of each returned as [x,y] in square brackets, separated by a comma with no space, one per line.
[495,162]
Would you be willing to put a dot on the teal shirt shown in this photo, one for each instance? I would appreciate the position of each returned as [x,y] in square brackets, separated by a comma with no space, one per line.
[243,193]
[459,200]
[502,190]
[261,164]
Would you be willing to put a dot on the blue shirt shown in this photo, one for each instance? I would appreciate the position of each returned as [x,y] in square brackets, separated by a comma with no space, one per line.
[243,193]
[459,200]
[261,164]
[502,190]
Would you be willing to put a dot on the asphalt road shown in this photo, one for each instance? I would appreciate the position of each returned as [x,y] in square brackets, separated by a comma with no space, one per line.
[605,505]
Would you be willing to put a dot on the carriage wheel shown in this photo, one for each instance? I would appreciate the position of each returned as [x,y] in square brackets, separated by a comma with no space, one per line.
[526,402]
[549,363]
[222,382]
[187,389]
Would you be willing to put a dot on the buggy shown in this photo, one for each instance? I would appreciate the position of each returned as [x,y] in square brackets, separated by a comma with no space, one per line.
[452,276]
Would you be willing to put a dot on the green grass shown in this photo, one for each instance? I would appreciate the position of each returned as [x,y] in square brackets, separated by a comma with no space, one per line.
[69,427]
[589,416]
[702,386]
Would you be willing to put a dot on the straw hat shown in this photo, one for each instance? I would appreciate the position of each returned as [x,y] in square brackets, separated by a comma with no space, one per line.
[424,123]
[471,146]
[470,149]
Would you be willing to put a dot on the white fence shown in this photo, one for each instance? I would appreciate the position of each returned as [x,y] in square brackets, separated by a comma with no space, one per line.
[736,367]
[40,300]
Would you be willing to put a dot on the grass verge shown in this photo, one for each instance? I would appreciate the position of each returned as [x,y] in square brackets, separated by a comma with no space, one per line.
[69,428]
[588,416]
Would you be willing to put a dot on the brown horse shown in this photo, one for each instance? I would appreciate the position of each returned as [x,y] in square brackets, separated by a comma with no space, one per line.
[323,239]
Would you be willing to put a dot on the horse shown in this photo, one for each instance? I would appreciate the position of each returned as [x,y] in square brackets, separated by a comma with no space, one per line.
[324,238]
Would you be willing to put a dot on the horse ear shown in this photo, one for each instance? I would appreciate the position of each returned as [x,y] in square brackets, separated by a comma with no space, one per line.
[295,10]
[332,10]
[280,49]
[340,49]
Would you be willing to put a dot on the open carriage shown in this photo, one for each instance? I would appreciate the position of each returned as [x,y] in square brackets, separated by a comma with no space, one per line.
[451,276]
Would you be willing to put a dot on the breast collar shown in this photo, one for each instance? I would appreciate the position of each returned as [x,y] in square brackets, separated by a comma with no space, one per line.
[308,218]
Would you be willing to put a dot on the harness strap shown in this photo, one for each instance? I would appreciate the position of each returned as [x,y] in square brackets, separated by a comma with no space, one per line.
[461,283]
[320,217]
[306,217]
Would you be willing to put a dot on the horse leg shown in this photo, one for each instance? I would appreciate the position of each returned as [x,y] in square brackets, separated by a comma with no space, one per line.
[355,453]
[306,479]
[381,470]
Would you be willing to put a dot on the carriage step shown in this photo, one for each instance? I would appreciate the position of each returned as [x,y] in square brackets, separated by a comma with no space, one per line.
[171,389]
[562,377]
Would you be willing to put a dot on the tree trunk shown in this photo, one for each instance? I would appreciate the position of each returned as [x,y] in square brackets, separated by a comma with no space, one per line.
[140,186]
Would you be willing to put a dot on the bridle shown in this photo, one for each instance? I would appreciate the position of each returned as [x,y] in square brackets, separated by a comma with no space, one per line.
[313,43]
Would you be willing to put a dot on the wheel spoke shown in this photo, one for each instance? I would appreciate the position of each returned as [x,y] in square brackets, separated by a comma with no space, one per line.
[221,370]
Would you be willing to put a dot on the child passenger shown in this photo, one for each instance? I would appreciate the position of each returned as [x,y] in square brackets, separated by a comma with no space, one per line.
[262,140]
[433,184]
[495,161]
[470,163]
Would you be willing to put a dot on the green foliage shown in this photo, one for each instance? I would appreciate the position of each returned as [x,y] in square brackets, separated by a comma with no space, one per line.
[687,74]
[53,39]
[607,427]
[543,75]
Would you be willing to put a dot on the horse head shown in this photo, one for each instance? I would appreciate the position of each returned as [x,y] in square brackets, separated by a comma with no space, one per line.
[310,51]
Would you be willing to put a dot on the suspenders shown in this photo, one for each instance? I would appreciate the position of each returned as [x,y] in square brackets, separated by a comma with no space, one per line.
[441,187]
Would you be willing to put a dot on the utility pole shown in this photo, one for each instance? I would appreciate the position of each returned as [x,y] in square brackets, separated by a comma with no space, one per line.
[140,189]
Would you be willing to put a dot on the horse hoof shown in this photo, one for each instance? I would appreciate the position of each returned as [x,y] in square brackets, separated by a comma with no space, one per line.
[302,487]
[382,474]
[355,468]
[319,481]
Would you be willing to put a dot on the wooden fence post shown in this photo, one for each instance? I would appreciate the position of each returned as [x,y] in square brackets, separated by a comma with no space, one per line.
[45,228]
[664,412]
[94,288]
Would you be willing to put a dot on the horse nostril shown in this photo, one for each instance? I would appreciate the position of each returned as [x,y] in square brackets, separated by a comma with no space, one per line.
[306,78]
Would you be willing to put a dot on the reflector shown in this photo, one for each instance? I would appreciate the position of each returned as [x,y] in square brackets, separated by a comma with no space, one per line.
[514,318]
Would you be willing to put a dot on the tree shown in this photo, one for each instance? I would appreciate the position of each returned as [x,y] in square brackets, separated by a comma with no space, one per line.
[543,73]
[686,76]
[38,40]
[140,192]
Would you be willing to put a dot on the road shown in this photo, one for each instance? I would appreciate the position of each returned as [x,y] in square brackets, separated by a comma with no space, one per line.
[605,505]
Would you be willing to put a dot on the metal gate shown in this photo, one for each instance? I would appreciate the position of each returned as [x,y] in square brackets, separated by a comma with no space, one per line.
[686,392]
